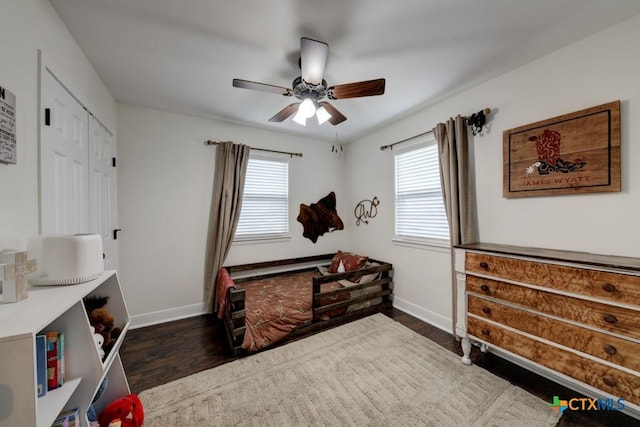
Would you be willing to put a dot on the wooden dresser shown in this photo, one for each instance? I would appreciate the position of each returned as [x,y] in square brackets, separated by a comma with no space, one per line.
[570,316]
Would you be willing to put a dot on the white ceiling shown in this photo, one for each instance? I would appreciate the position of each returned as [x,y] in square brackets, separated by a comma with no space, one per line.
[181,55]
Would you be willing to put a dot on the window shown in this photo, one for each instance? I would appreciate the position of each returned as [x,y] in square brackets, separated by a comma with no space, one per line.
[420,212]
[265,202]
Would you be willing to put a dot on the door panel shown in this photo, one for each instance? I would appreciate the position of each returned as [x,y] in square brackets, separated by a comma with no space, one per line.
[102,182]
[64,189]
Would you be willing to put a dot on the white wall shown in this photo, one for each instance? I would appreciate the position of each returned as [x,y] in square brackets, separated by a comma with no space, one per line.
[166,172]
[165,177]
[29,25]
[599,69]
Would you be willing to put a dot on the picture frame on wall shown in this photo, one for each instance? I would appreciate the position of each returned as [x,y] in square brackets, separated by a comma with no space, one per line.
[7,126]
[570,154]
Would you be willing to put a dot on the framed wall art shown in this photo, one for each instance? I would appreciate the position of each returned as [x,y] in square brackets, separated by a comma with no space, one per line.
[573,153]
[7,126]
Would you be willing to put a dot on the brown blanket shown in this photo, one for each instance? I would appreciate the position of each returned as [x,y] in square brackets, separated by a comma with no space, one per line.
[277,305]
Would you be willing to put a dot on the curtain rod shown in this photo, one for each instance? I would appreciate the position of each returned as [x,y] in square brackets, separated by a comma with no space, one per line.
[259,149]
[486,112]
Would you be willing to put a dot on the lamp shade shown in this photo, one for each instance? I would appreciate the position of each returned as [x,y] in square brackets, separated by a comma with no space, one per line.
[300,118]
[323,115]
[307,108]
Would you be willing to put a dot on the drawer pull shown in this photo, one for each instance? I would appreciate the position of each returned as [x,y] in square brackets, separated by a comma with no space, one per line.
[610,350]
[485,287]
[486,310]
[485,332]
[610,318]
[484,265]
[608,287]
[609,381]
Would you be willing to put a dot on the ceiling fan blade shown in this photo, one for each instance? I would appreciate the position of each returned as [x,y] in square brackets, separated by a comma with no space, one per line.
[246,84]
[336,116]
[356,90]
[285,113]
[313,58]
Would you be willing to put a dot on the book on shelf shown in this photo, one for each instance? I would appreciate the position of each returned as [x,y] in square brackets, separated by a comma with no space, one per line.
[52,360]
[70,418]
[55,359]
[41,364]
[60,361]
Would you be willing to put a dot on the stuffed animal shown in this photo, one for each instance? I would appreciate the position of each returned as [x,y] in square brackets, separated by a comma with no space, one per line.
[124,412]
[98,339]
[101,319]
[103,322]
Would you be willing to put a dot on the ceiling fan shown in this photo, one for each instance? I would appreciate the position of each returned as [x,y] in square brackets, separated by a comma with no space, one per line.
[310,88]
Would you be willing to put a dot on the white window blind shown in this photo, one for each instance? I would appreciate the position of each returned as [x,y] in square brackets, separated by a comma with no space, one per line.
[265,201]
[420,212]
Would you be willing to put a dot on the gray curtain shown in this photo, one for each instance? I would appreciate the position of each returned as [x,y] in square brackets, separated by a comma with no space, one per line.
[453,148]
[228,185]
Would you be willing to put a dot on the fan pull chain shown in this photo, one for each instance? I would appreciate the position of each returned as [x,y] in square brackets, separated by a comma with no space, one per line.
[336,147]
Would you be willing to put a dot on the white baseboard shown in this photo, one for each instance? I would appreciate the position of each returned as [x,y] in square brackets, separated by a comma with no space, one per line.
[423,314]
[162,316]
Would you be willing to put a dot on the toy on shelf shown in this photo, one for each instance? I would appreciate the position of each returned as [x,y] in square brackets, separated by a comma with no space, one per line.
[102,320]
[123,412]
[98,339]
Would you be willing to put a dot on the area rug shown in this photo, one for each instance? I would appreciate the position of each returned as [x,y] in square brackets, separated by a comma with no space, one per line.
[371,372]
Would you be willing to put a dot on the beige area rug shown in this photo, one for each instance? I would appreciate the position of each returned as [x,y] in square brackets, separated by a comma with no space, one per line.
[371,372]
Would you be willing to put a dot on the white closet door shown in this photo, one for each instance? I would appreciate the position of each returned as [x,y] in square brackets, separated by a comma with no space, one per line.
[102,189]
[64,157]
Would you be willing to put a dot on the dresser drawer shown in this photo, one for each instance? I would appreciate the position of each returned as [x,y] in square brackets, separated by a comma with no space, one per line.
[619,320]
[615,350]
[603,377]
[611,286]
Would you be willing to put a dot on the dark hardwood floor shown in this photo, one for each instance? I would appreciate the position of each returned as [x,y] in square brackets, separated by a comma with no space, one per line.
[158,354]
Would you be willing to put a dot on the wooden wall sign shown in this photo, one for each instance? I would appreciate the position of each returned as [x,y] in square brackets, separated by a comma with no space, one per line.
[569,154]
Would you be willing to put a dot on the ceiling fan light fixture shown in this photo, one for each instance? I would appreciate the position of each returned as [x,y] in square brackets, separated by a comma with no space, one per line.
[322,114]
[309,88]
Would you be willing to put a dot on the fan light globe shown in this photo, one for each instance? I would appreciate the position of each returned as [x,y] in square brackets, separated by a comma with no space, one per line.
[300,118]
[307,108]
[323,115]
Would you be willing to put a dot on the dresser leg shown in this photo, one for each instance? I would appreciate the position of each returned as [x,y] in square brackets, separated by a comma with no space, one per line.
[466,350]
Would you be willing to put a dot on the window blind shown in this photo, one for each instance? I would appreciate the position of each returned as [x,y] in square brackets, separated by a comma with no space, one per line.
[420,212]
[265,201]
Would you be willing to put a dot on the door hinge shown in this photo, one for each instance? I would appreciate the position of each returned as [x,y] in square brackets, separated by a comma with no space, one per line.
[47,116]
[113,162]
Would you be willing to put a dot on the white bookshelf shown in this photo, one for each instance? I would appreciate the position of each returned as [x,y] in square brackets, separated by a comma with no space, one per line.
[58,308]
